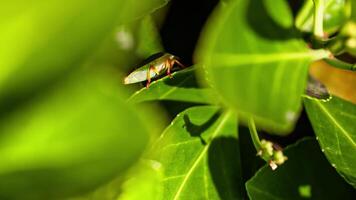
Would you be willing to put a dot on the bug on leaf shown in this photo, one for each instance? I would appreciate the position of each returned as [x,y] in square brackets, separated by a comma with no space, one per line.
[154,66]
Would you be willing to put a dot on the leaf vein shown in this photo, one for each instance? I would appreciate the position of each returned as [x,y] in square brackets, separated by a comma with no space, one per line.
[343,131]
[201,155]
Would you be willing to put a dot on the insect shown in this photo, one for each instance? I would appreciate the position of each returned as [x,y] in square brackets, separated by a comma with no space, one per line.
[154,66]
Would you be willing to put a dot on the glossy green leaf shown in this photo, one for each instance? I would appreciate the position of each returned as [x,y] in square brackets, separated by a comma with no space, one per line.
[334,125]
[305,175]
[77,137]
[257,63]
[42,39]
[181,87]
[200,156]
[334,16]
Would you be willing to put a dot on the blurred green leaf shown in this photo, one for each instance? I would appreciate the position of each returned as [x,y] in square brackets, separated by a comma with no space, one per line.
[128,44]
[144,182]
[334,125]
[334,16]
[70,141]
[181,87]
[353,10]
[133,9]
[257,65]
[47,37]
[305,175]
[42,39]
[200,156]
[149,41]
[141,181]
[279,12]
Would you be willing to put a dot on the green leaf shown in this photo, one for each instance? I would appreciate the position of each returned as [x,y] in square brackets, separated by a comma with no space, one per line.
[144,182]
[127,44]
[305,175]
[260,70]
[132,10]
[334,125]
[149,41]
[70,141]
[181,87]
[41,40]
[353,10]
[141,181]
[200,156]
[334,16]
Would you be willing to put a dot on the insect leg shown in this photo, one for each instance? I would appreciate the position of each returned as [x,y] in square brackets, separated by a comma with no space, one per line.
[180,64]
[149,76]
[169,66]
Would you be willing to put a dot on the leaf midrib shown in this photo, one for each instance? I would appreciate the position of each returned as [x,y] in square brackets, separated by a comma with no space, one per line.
[233,59]
[343,131]
[201,155]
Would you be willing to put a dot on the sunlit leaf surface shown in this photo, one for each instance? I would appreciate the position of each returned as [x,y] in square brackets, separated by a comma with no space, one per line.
[181,87]
[334,125]
[200,156]
[305,175]
[257,62]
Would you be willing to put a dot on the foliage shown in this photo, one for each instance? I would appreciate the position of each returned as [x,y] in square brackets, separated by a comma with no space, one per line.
[312,176]
[238,49]
[71,130]
[333,125]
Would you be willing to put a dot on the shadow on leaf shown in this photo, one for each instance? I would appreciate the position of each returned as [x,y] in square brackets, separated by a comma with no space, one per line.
[224,166]
[183,79]
[196,130]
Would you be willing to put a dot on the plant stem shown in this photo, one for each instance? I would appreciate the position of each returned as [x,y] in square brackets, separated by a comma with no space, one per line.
[341,64]
[318,28]
[254,135]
